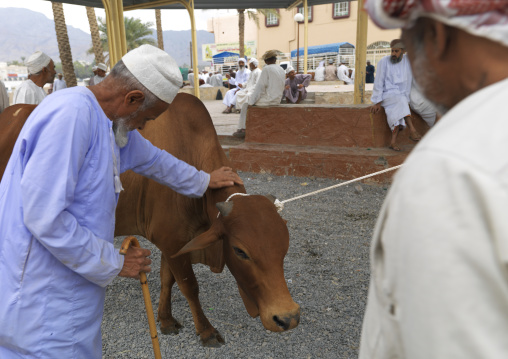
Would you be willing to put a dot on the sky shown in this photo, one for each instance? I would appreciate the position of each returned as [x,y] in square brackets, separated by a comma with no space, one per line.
[76,15]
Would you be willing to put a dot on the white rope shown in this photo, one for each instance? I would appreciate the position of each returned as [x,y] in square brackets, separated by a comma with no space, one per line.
[234,194]
[280,205]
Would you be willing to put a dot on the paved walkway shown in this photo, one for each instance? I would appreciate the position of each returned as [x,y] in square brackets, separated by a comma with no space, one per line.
[225,124]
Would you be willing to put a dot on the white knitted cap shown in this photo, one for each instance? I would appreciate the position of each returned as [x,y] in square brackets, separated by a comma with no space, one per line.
[101,66]
[155,70]
[289,69]
[37,61]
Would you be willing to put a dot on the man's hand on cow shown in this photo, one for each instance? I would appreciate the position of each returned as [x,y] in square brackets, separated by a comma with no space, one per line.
[136,260]
[240,85]
[224,177]
[375,108]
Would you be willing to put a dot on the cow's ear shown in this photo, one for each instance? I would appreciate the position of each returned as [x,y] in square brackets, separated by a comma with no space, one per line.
[200,242]
[271,197]
[225,208]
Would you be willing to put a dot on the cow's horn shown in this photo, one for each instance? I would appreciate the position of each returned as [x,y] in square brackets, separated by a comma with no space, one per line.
[225,208]
[271,197]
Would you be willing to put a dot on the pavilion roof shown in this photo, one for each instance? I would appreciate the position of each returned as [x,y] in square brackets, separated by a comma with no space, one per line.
[200,4]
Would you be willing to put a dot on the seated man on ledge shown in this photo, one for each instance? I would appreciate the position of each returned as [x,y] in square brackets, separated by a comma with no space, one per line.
[392,87]
[268,89]
[295,91]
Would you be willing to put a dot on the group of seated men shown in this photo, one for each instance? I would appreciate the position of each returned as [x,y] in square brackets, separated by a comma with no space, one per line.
[243,84]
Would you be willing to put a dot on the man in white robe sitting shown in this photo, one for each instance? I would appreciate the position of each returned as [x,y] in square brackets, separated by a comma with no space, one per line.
[242,75]
[268,90]
[41,70]
[439,256]
[392,87]
[58,197]
[319,74]
[242,96]
[101,73]
[343,73]
[190,78]
[216,80]
[295,87]
[59,83]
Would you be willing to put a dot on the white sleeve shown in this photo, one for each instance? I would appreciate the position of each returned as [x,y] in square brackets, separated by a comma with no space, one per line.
[379,84]
[260,88]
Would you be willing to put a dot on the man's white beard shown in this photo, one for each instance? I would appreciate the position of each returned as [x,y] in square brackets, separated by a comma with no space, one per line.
[121,132]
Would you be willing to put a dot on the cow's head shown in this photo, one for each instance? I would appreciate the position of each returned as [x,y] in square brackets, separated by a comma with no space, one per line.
[255,240]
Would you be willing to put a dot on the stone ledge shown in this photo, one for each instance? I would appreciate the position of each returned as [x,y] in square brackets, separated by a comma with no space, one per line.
[317,161]
[323,125]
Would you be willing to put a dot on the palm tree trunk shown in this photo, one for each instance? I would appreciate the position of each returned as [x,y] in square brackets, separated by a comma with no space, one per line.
[96,36]
[158,21]
[63,44]
[241,30]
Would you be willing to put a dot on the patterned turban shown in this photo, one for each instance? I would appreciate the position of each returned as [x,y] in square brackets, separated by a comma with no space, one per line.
[484,18]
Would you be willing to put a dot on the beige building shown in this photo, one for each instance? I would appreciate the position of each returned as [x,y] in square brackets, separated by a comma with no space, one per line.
[328,24]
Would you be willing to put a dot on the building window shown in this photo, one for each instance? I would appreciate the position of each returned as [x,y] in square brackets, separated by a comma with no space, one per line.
[300,10]
[341,10]
[271,20]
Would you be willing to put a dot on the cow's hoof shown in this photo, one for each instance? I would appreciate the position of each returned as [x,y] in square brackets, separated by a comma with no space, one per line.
[212,340]
[172,328]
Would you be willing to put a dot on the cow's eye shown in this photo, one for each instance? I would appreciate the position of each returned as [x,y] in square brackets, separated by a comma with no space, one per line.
[240,253]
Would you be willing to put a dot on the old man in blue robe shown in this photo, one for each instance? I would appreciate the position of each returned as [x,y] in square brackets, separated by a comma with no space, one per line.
[58,198]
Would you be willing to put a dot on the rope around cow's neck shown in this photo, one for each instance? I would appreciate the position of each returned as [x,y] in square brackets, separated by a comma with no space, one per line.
[280,204]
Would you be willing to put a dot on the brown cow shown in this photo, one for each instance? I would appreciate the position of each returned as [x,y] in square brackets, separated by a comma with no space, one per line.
[248,236]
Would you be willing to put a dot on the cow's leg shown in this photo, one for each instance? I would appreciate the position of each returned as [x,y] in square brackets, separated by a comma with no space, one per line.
[186,280]
[169,325]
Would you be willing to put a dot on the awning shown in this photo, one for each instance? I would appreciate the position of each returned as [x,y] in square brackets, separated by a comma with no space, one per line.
[324,49]
[200,4]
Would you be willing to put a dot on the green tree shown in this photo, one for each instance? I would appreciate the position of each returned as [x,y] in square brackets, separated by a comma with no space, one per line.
[137,33]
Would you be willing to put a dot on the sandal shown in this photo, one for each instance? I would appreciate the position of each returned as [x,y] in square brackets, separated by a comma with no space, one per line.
[240,133]
[394,147]
[415,138]
[227,111]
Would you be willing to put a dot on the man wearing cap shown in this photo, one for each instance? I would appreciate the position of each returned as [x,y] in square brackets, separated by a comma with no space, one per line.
[268,91]
[94,70]
[392,88]
[343,73]
[330,71]
[58,198]
[241,78]
[242,96]
[439,257]
[295,87]
[59,83]
[41,70]
[101,73]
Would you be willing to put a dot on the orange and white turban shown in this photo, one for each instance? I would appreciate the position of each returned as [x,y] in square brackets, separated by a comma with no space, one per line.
[485,18]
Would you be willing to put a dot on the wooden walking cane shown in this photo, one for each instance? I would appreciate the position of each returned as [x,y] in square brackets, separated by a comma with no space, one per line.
[146,296]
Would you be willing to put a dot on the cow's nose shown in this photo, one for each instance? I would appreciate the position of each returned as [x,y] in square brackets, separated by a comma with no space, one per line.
[287,322]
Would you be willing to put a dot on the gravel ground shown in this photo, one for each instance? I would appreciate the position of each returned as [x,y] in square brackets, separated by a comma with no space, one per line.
[326,268]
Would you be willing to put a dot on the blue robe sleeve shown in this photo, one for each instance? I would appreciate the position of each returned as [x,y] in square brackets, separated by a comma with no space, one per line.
[145,159]
[53,153]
